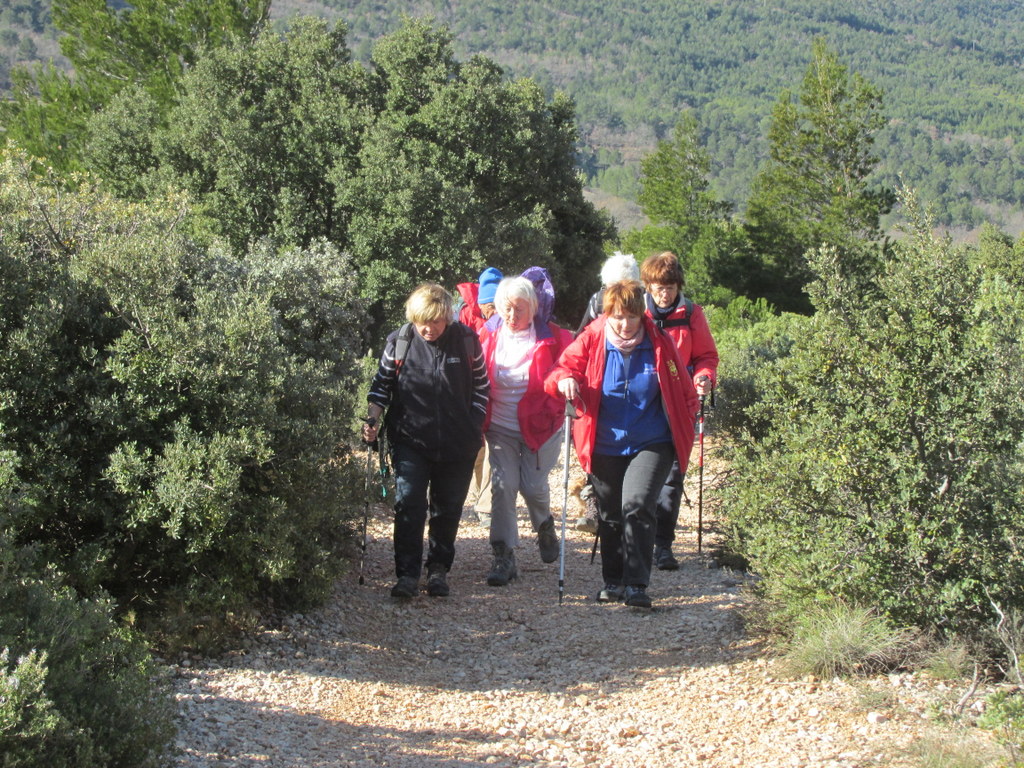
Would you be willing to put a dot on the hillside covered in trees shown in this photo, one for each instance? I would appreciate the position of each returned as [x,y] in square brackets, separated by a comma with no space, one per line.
[950,71]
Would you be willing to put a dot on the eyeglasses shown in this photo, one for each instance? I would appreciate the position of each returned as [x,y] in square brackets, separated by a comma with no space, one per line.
[662,288]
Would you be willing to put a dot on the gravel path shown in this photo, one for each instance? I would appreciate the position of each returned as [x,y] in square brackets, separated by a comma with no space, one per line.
[510,677]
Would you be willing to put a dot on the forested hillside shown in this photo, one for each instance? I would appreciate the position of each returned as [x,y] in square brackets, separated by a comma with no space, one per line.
[951,73]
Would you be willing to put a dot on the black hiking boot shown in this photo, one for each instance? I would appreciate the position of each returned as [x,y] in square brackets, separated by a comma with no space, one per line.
[503,569]
[547,541]
[637,597]
[407,586]
[664,560]
[437,581]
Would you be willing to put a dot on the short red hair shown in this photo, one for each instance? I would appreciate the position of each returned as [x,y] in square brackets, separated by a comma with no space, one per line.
[662,269]
[625,296]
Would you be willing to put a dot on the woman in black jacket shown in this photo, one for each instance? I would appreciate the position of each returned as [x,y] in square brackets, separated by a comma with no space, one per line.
[433,384]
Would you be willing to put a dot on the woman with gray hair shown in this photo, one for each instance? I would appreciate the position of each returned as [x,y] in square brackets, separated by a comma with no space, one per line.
[520,346]
[617,267]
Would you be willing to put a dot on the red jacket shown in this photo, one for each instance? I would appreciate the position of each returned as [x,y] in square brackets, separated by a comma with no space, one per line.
[470,313]
[584,360]
[540,414]
[696,346]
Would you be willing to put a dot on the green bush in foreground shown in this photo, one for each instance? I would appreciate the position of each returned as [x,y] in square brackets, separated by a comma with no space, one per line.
[75,687]
[892,474]
[750,338]
[177,416]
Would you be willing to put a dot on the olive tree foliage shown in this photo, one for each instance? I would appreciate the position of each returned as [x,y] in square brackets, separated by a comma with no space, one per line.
[815,187]
[147,44]
[263,135]
[420,166]
[77,687]
[176,412]
[462,169]
[892,472]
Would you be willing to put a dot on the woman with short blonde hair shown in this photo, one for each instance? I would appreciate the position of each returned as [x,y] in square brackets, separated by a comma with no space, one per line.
[429,302]
[433,385]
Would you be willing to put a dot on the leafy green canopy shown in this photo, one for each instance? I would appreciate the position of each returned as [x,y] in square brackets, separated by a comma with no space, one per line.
[892,471]
[421,167]
[174,412]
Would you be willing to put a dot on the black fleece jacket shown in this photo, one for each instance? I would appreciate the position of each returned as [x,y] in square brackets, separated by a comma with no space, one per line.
[436,400]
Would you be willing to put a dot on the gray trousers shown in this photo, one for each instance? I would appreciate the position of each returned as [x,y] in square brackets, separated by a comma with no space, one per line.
[516,469]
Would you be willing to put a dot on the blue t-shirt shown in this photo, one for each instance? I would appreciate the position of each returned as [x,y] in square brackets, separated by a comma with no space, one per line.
[632,416]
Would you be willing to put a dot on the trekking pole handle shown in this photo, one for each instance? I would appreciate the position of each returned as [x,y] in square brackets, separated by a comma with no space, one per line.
[371,422]
[570,410]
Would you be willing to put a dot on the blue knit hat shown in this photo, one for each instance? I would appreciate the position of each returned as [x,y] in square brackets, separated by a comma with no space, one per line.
[489,280]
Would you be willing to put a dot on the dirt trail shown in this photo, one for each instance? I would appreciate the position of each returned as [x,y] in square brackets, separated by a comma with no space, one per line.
[510,677]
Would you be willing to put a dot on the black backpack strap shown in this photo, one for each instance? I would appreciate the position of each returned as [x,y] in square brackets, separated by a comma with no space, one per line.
[684,321]
[402,343]
[467,339]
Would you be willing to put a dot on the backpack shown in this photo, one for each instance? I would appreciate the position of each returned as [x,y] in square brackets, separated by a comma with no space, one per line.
[676,322]
[405,339]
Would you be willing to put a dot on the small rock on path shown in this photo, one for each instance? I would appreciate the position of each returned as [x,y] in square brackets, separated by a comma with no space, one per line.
[510,677]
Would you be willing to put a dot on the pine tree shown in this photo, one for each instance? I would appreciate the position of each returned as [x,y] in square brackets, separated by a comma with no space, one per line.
[149,43]
[815,189]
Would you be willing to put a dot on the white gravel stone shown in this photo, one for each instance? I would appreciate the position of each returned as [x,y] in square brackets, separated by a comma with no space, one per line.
[510,677]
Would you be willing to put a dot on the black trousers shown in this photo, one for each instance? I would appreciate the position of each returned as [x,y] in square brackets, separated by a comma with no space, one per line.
[627,489]
[669,499]
[427,488]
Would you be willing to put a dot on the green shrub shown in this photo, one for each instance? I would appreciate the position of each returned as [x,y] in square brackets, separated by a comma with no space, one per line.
[1004,715]
[76,688]
[751,338]
[891,472]
[27,717]
[179,416]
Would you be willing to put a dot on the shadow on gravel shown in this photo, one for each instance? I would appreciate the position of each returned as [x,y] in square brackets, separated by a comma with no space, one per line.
[297,740]
[517,637]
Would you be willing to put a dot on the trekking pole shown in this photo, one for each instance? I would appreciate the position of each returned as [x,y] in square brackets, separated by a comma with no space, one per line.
[366,510]
[370,448]
[570,414]
[700,476]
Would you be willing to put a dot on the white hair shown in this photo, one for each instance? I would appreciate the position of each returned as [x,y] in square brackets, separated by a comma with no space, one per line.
[512,288]
[619,266]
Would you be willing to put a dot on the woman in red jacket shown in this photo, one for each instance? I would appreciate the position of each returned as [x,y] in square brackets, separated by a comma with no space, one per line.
[685,322]
[520,346]
[638,405]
